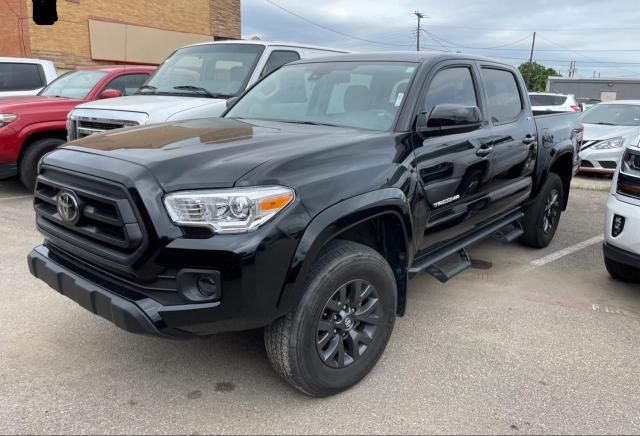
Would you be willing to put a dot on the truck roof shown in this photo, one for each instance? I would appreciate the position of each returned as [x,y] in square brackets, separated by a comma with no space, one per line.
[271,44]
[402,56]
[24,60]
[114,68]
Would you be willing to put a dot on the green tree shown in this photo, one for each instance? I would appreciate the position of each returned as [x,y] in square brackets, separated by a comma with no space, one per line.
[537,80]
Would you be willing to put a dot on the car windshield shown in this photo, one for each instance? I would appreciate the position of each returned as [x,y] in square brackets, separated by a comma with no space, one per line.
[547,100]
[365,95]
[613,115]
[75,84]
[212,70]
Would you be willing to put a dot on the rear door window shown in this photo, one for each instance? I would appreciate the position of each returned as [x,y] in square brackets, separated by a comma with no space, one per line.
[503,95]
[21,77]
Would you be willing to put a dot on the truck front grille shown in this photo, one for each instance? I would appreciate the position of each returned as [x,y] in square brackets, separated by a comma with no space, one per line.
[86,127]
[88,218]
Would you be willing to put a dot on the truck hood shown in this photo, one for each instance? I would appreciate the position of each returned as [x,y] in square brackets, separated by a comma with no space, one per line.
[34,103]
[597,132]
[159,108]
[214,152]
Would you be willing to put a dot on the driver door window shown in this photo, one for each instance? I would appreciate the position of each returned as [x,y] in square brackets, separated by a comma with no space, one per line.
[277,59]
[451,86]
[127,84]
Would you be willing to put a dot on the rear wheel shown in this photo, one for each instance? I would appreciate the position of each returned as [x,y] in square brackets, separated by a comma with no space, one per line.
[621,271]
[342,325]
[28,167]
[541,219]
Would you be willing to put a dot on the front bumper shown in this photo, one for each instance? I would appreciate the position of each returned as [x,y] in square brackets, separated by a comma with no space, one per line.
[8,169]
[629,209]
[600,161]
[621,256]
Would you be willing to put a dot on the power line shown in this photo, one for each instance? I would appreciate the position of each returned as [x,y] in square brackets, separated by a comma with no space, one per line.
[497,47]
[322,26]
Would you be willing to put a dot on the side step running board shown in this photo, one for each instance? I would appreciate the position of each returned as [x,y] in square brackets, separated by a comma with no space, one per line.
[428,263]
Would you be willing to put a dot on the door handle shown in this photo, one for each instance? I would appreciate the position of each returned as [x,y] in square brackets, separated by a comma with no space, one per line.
[529,139]
[484,151]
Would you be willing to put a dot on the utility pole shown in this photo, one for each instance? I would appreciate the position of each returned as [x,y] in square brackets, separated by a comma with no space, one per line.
[533,45]
[419,16]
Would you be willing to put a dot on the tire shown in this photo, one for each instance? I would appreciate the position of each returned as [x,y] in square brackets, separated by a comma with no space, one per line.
[28,167]
[541,219]
[300,345]
[622,272]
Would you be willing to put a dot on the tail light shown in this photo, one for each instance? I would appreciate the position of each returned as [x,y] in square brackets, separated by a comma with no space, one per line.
[575,108]
[629,177]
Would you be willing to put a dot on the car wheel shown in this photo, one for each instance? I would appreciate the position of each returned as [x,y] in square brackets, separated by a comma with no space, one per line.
[28,167]
[542,218]
[621,271]
[342,325]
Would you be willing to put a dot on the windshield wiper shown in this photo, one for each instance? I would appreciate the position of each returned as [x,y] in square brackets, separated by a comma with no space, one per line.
[149,87]
[309,123]
[200,90]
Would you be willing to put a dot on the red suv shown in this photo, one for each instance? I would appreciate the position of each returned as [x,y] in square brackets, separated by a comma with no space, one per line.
[31,126]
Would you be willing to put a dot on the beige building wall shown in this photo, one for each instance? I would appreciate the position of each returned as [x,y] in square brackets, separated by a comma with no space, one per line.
[91,32]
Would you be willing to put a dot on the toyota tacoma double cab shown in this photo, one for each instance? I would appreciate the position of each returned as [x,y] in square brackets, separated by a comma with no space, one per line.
[307,207]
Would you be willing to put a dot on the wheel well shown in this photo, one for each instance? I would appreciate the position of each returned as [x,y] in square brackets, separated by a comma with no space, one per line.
[59,134]
[385,234]
[563,167]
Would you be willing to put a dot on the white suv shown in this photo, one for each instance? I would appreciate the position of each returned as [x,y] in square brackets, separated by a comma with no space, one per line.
[622,225]
[551,102]
[24,76]
[194,82]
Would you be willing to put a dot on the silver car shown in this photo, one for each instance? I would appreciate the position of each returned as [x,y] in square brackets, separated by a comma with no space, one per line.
[608,128]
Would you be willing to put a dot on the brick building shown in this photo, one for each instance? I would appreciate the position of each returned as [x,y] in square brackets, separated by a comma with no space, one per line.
[90,32]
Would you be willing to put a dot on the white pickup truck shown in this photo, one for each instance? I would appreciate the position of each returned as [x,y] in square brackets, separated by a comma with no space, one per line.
[194,82]
[25,76]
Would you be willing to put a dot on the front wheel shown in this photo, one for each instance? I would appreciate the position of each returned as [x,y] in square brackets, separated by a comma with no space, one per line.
[28,168]
[542,217]
[342,325]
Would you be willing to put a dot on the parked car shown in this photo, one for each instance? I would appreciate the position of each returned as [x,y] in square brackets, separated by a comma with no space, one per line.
[31,126]
[194,82]
[551,102]
[24,76]
[307,207]
[622,225]
[608,128]
[587,103]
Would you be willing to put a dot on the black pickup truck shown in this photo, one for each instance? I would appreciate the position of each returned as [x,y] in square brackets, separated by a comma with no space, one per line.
[307,207]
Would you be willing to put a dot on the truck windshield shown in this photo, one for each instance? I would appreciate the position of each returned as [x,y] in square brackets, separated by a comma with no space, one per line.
[613,115]
[366,95]
[212,70]
[74,84]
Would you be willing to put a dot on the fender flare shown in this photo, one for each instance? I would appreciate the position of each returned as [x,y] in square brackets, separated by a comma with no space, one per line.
[335,220]
[36,128]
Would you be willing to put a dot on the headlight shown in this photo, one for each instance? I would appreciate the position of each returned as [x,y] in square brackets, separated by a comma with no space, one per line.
[7,119]
[235,210]
[609,144]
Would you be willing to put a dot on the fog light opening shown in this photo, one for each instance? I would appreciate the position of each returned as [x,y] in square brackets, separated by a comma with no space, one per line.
[207,286]
[618,226]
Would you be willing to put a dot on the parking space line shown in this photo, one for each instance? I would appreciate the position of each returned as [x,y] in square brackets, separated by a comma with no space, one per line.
[18,197]
[567,251]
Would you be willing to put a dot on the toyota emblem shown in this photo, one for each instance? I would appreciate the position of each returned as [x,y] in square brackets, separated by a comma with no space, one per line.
[68,207]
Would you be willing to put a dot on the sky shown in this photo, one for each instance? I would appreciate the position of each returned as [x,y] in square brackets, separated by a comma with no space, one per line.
[603,37]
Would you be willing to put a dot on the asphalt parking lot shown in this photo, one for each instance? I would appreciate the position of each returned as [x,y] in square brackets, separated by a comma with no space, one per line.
[527,342]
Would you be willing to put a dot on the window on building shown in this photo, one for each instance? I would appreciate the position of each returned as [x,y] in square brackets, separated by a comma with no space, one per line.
[451,86]
[21,77]
[503,95]
[277,59]
[128,84]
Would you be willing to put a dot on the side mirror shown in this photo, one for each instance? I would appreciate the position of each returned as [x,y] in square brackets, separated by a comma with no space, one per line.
[446,119]
[231,102]
[110,93]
